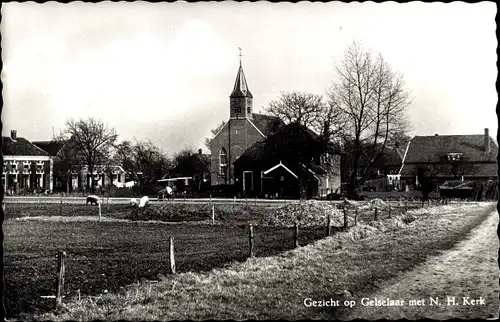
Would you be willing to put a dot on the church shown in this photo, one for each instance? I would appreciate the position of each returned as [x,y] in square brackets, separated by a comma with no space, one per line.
[242,130]
[234,160]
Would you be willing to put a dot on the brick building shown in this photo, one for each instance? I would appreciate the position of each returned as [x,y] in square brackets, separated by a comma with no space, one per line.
[242,130]
[25,166]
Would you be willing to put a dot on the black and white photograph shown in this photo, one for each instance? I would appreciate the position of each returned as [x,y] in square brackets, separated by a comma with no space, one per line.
[249,161]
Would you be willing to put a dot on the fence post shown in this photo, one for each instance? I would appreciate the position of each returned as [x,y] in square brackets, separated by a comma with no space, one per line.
[172,257]
[100,216]
[60,278]
[107,204]
[60,205]
[376,214]
[210,198]
[356,217]
[296,235]
[389,208]
[346,223]
[329,226]
[406,206]
[234,200]
[250,239]
[213,214]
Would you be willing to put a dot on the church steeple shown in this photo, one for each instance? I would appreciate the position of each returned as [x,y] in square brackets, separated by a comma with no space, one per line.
[241,98]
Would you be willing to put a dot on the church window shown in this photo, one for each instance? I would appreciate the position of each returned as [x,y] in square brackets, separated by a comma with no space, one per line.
[248,109]
[222,161]
[237,108]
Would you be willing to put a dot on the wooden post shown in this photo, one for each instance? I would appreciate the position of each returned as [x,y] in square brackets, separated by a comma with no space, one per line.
[356,217]
[107,204]
[406,206]
[389,209]
[250,239]
[346,223]
[296,235]
[329,226]
[100,216]
[256,200]
[213,214]
[210,198]
[234,200]
[172,257]
[60,278]
[60,206]
[376,214]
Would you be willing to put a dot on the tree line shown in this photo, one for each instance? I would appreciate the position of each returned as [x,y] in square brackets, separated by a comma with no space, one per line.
[90,144]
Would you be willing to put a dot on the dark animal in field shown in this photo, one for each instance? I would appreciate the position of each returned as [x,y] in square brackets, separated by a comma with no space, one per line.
[93,199]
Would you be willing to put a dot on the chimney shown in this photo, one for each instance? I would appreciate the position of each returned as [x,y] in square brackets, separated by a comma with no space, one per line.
[436,134]
[13,135]
[199,151]
[487,144]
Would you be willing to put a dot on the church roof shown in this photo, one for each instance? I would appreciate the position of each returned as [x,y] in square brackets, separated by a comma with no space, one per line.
[240,88]
[267,124]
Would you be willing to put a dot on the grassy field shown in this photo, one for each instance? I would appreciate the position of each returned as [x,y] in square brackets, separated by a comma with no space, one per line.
[275,287]
[112,254]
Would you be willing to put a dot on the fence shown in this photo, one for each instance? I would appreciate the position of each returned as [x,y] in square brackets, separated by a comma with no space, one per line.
[132,250]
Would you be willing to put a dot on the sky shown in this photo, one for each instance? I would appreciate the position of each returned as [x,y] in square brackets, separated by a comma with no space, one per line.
[164,71]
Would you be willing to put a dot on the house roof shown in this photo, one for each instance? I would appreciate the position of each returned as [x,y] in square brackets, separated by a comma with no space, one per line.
[20,146]
[266,153]
[51,147]
[434,149]
[240,88]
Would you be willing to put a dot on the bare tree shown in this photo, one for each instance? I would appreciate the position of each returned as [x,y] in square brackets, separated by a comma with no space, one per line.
[188,163]
[93,139]
[308,110]
[371,100]
[67,160]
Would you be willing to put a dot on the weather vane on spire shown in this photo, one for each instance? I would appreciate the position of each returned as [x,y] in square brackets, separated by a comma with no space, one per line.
[239,48]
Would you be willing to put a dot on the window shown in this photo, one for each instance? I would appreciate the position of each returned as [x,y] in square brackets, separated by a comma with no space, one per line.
[454,156]
[222,161]
[237,108]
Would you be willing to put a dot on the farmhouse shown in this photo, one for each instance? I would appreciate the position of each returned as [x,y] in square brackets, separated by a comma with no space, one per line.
[276,168]
[450,157]
[25,166]
[79,177]
[242,130]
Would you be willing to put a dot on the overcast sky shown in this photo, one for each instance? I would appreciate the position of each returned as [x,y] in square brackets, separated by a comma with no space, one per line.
[165,71]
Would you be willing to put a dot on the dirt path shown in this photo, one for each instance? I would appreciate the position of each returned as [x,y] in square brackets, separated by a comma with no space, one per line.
[468,270]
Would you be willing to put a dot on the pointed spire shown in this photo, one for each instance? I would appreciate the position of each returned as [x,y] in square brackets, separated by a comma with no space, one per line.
[240,88]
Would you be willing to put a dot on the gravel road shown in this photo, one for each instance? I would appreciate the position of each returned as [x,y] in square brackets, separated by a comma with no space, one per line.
[468,270]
